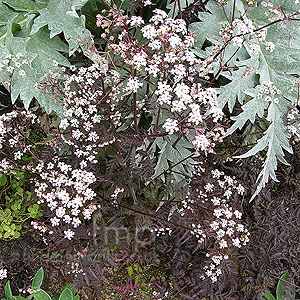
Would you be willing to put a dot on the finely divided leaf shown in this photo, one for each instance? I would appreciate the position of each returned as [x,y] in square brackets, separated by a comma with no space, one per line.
[253,108]
[276,139]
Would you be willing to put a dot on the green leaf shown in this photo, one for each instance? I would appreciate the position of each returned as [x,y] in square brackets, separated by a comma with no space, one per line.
[276,139]
[8,292]
[46,50]
[130,271]
[40,294]
[66,295]
[6,228]
[280,292]
[56,18]
[24,86]
[277,66]
[16,235]
[23,5]
[173,155]
[3,180]
[238,85]
[38,279]
[5,11]
[269,296]
[212,21]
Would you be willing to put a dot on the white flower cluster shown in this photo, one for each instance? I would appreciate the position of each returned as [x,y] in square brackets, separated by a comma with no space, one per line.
[161,231]
[12,63]
[66,191]
[82,116]
[269,91]
[3,273]
[244,30]
[14,128]
[274,12]
[224,225]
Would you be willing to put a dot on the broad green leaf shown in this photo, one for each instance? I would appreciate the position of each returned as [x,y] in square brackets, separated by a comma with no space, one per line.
[269,296]
[6,235]
[56,18]
[38,279]
[40,294]
[66,295]
[212,21]
[280,293]
[47,50]
[23,5]
[130,271]
[3,180]
[8,292]
[25,86]
[5,11]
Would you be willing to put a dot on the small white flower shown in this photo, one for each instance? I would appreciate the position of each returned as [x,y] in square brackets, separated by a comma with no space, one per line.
[69,234]
[201,142]
[223,244]
[133,84]
[270,46]
[3,273]
[236,242]
[171,126]
[135,21]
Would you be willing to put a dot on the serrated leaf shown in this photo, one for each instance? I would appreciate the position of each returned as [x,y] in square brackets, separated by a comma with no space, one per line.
[276,139]
[56,18]
[238,85]
[277,66]
[170,157]
[253,108]
[47,50]
[212,20]
[24,86]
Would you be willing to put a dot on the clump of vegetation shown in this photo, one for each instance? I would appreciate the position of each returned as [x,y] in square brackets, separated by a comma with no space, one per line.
[144,136]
